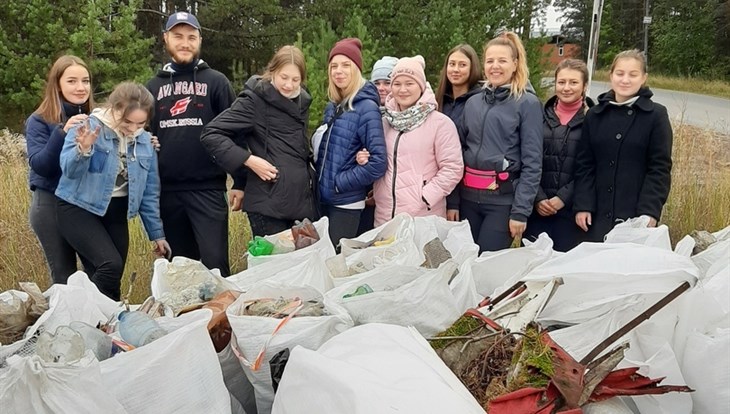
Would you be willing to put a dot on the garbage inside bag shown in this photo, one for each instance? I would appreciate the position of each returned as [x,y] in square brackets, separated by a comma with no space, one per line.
[703,239]
[139,329]
[219,327]
[436,253]
[304,234]
[17,313]
[65,346]
[190,297]
[283,307]
[361,290]
[259,246]
[277,363]
[94,339]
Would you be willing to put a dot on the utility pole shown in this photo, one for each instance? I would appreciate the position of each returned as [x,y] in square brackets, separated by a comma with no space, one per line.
[647,22]
[593,42]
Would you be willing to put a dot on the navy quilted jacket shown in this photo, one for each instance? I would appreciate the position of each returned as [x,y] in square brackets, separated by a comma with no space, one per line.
[341,180]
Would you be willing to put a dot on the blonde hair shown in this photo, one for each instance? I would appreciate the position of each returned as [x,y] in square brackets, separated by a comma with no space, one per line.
[51,109]
[630,54]
[345,96]
[288,54]
[130,96]
[522,74]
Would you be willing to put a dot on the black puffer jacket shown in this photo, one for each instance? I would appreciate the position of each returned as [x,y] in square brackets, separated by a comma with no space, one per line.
[264,123]
[624,162]
[559,149]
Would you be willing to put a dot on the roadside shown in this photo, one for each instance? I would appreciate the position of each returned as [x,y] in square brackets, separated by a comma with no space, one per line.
[716,88]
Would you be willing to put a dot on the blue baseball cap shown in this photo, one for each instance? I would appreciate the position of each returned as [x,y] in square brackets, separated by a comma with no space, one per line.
[182,18]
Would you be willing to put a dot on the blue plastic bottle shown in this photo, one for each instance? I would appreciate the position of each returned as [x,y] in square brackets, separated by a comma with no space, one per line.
[138,328]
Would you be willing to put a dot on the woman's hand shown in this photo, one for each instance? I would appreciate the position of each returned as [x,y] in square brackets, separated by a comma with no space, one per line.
[74,121]
[85,137]
[545,208]
[162,249]
[452,215]
[235,199]
[262,168]
[583,219]
[362,156]
[516,228]
[155,143]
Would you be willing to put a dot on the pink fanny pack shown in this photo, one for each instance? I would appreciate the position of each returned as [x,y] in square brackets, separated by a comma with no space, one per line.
[484,180]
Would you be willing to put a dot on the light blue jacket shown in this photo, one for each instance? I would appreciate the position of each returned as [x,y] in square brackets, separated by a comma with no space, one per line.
[88,181]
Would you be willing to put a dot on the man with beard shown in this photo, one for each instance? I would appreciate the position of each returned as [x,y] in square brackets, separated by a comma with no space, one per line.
[189,94]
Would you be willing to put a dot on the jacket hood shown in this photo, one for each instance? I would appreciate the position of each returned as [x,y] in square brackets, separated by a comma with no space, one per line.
[264,89]
[105,116]
[644,102]
[168,71]
[368,91]
[427,98]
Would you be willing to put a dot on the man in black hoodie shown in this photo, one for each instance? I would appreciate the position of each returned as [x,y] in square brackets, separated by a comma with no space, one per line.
[189,94]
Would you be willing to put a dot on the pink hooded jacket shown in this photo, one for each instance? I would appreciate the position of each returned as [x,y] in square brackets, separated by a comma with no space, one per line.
[423,164]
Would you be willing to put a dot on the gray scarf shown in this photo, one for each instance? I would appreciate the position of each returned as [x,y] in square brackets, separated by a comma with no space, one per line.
[409,119]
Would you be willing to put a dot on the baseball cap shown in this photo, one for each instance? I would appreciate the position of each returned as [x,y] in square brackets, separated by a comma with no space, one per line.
[182,18]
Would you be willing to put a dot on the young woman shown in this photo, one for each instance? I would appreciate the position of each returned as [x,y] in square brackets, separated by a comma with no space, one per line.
[351,122]
[459,80]
[66,103]
[501,136]
[265,130]
[562,124]
[109,176]
[424,157]
[624,162]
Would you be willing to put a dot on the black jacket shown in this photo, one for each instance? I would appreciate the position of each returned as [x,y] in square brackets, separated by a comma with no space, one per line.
[187,99]
[624,162]
[453,108]
[264,123]
[559,149]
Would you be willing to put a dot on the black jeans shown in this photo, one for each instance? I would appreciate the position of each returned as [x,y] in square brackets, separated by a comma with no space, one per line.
[196,226]
[562,229]
[103,241]
[60,256]
[343,223]
[489,224]
[262,225]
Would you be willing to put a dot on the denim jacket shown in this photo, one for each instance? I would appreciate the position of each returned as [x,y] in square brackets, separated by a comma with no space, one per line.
[87,181]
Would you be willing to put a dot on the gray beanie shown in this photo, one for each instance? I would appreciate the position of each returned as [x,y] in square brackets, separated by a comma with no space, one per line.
[382,68]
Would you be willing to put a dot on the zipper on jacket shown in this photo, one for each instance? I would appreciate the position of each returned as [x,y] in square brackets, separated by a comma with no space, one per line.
[395,171]
[326,145]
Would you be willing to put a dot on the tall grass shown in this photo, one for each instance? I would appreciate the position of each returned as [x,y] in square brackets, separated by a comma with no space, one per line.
[694,85]
[21,257]
[699,199]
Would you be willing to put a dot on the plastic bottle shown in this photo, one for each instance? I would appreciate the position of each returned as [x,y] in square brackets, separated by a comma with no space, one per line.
[138,328]
[304,234]
[260,246]
[361,290]
[94,339]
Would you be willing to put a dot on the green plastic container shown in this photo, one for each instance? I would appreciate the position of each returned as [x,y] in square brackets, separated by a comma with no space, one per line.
[260,247]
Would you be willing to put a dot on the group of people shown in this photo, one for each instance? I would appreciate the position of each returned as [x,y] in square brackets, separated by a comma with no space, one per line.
[481,148]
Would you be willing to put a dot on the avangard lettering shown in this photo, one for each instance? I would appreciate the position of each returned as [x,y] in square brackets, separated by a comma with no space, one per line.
[182,88]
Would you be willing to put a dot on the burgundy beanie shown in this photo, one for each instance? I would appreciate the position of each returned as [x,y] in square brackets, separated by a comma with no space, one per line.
[350,47]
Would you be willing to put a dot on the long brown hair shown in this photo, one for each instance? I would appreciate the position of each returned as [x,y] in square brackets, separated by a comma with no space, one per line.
[475,72]
[284,56]
[50,108]
[130,96]
[522,73]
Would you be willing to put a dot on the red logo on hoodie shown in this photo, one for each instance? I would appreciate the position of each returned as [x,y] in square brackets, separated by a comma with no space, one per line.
[180,106]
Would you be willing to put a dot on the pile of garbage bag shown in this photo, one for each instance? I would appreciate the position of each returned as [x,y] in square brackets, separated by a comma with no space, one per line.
[407,318]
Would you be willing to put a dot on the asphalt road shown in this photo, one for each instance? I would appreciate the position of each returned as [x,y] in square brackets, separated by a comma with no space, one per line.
[699,110]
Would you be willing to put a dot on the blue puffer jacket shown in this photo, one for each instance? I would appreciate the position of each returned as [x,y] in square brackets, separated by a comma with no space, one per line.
[341,180]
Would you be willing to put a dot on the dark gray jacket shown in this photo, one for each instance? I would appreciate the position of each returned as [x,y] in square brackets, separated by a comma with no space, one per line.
[495,127]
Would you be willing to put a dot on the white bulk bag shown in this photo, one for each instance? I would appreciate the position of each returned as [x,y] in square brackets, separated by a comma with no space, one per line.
[403,295]
[178,373]
[455,235]
[267,335]
[402,250]
[180,273]
[323,247]
[636,230]
[374,368]
[300,271]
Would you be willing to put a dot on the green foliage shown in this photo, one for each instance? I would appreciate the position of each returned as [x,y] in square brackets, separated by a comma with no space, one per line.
[316,49]
[33,33]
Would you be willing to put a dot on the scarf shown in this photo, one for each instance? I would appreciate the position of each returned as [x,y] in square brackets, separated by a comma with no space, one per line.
[409,119]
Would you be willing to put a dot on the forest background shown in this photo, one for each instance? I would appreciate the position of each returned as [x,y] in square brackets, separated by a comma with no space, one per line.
[123,39]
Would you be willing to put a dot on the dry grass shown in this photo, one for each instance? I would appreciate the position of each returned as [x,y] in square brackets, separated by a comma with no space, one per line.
[21,257]
[699,200]
[673,83]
